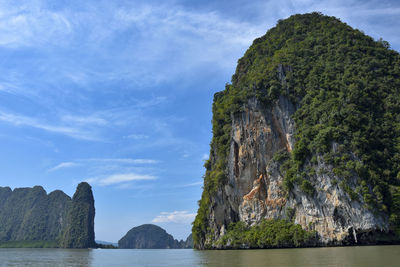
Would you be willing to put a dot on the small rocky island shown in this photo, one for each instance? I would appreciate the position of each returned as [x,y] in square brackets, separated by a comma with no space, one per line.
[29,217]
[150,236]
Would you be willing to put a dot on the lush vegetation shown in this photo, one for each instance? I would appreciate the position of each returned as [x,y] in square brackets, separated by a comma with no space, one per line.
[346,88]
[267,234]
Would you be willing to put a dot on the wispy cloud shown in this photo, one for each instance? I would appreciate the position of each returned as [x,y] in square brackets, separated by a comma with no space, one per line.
[104,166]
[63,165]
[31,24]
[20,120]
[120,178]
[175,217]
[159,33]
[84,120]
[168,33]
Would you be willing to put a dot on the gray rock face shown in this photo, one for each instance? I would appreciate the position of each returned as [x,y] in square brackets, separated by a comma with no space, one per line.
[254,188]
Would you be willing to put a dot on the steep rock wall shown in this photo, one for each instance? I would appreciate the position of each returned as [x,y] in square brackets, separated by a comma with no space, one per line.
[254,190]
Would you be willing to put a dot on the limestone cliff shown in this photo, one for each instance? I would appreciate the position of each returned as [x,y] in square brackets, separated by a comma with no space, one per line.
[279,153]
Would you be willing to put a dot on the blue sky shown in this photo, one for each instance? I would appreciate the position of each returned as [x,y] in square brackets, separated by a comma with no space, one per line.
[119,93]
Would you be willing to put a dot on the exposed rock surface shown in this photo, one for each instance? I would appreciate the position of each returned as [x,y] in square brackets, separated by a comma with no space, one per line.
[149,236]
[254,189]
[30,215]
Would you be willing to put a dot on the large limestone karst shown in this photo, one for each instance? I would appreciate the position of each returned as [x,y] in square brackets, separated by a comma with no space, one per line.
[29,217]
[307,135]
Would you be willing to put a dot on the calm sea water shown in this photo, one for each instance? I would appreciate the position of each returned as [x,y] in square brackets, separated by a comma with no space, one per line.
[381,256]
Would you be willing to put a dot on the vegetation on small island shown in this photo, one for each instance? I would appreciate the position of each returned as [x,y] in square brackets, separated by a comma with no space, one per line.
[150,236]
[346,89]
[267,234]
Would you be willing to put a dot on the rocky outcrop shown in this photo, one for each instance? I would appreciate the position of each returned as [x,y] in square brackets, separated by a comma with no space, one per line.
[150,236]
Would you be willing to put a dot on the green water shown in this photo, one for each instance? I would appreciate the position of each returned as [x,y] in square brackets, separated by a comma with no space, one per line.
[381,256]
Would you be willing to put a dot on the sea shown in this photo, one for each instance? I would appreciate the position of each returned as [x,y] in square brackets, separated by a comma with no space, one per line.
[381,256]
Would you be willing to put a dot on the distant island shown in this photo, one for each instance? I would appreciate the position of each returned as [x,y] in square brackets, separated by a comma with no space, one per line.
[306,142]
[29,217]
[150,236]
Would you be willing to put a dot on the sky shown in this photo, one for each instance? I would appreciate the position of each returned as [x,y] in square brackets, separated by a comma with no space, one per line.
[119,94]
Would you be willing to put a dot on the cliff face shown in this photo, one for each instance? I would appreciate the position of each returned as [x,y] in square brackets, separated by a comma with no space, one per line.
[291,141]
[149,236]
[30,216]
[254,190]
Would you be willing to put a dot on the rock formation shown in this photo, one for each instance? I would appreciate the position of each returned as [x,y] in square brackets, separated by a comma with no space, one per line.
[287,145]
[31,217]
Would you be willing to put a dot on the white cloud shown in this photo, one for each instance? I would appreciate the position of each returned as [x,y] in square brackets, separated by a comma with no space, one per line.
[120,178]
[175,217]
[64,165]
[74,132]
